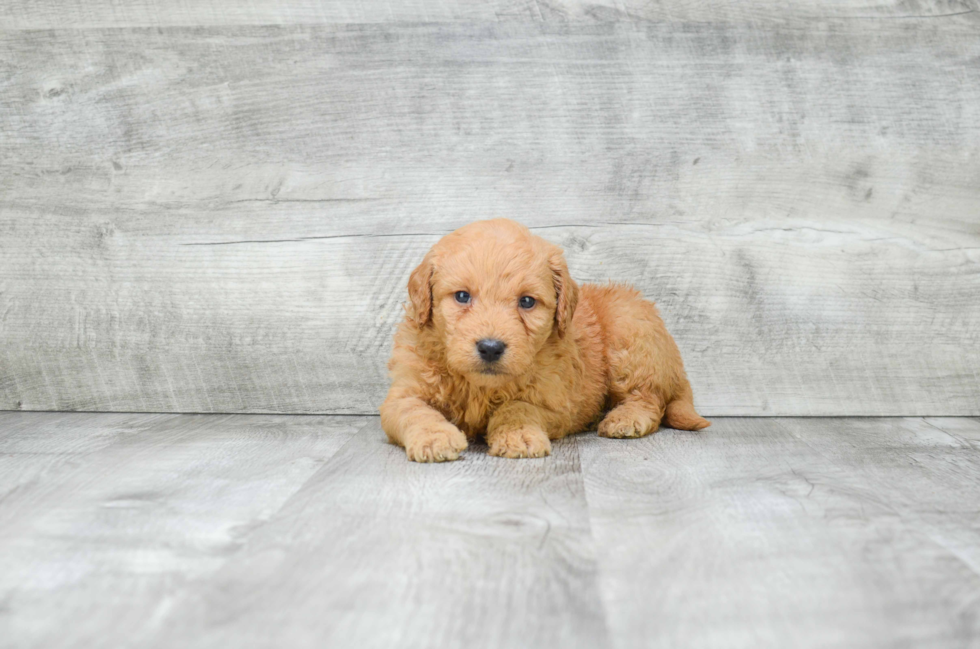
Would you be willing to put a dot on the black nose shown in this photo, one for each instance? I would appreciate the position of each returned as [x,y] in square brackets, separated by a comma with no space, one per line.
[490,349]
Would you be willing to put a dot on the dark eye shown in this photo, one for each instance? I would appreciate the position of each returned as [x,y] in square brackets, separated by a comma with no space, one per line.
[526,302]
[462,297]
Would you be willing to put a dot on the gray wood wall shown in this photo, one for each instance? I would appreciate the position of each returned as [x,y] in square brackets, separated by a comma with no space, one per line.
[213,208]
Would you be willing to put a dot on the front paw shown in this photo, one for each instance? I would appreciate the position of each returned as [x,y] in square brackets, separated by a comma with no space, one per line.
[519,442]
[440,444]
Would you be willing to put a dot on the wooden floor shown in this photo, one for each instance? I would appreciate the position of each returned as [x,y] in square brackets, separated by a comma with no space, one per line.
[254,530]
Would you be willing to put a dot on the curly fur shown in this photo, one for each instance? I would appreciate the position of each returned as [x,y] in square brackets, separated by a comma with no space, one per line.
[581,351]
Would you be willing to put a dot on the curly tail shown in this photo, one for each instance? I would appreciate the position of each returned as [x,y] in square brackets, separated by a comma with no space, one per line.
[680,412]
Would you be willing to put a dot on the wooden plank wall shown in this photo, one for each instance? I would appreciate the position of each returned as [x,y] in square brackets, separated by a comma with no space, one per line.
[214,209]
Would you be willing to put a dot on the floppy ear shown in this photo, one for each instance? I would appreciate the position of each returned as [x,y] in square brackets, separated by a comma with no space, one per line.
[566,289]
[420,293]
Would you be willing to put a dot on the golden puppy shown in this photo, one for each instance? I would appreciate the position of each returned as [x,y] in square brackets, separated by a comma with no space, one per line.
[498,340]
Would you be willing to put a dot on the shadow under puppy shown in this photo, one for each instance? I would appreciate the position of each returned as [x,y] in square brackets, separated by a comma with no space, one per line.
[498,340]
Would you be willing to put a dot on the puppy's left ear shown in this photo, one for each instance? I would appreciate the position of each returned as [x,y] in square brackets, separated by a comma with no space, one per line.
[565,288]
[420,292]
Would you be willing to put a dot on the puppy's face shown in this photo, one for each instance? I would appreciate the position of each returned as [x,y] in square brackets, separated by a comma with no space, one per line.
[494,296]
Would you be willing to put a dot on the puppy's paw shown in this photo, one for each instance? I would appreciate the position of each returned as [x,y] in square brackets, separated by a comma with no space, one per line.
[441,444]
[627,421]
[519,442]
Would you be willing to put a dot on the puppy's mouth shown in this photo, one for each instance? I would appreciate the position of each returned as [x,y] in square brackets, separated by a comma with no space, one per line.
[491,370]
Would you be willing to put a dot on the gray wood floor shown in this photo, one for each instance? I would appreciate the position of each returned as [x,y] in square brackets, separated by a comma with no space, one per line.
[255,530]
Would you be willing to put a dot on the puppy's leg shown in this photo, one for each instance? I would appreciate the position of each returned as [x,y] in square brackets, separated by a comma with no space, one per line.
[421,429]
[637,415]
[647,381]
[517,429]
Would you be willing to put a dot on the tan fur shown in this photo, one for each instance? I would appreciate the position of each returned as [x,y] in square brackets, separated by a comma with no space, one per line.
[580,351]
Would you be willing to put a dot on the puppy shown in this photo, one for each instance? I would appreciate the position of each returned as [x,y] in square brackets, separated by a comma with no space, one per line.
[499,341]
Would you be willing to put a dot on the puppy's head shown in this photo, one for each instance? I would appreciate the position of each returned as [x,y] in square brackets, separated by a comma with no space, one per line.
[493,296]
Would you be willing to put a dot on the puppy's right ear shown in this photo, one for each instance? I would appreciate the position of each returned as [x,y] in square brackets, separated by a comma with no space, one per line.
[420,293]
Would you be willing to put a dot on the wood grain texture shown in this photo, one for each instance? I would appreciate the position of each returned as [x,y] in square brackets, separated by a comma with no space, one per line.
[167,539]
[223,219]
[52,14]
[378,552]
[262,531]
[103,518]
[801,532]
